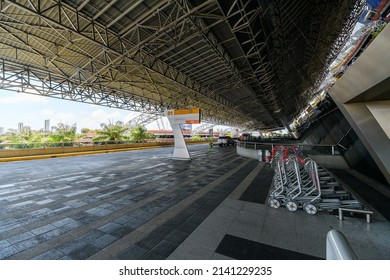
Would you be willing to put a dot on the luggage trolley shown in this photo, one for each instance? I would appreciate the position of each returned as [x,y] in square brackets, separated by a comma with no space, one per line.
[298,183]
[298,193]
[285,181]
[307,194]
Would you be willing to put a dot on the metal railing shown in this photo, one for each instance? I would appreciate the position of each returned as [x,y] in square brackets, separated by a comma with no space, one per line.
[368,213]
[37,145]
[255,145]
[307,149]
[33,145]
[341,139]
[319,149]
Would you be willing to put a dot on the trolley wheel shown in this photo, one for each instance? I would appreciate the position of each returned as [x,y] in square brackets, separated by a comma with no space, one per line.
[291,206]
[310,208]
[274,203]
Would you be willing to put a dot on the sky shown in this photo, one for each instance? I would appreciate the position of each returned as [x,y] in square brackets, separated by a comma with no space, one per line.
[33,110]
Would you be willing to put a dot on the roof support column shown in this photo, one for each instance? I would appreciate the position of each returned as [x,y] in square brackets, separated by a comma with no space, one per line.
[363,96]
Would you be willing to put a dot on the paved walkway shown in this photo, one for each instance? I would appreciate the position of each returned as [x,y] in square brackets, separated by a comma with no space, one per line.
[244,230]
[143,205]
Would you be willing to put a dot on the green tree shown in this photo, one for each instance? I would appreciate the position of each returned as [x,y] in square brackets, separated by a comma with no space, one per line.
[25,138]
[112,132]
[64,133]
[196,137]
[139,133]
[37,137]
[25,135]
[378,30]
[22,135]
[10,136]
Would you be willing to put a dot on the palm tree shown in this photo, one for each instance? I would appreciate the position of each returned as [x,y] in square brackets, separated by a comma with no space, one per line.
[139,133]
[85,130]
[112,132]
[64,132]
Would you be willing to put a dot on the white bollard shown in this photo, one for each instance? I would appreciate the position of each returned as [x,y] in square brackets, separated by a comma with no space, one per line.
[337,247]
[267,156]
[260,153]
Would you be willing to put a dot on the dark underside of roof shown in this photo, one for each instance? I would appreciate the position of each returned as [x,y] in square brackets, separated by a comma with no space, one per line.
[251,63]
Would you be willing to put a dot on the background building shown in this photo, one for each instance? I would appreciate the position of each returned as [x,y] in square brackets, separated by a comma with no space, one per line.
[47,126]
[20,126]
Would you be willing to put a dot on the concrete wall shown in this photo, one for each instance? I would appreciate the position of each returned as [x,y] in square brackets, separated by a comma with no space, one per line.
[249,153]
[84,149]
[329,130]
[363,94]
[332,129]
[329,161]
[381,112]
[62,150]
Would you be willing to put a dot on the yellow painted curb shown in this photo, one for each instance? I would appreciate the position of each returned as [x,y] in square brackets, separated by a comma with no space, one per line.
[76,154]
[48,156]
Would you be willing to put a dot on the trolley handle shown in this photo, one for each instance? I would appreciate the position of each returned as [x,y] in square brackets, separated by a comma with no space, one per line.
[298,154]
[315,177]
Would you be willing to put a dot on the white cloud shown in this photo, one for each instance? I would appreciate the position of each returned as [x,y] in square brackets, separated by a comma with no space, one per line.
[130,115]
[65,117]
[103,115]
[62,117]
[33,110]
[88,123]
[47,113]
[94,119]
[22,98]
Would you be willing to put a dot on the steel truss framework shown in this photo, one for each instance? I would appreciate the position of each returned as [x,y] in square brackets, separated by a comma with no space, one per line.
[202,127]
[246,63]
[143,119]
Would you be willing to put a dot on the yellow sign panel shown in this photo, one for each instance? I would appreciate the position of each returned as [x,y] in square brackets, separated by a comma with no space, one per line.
[184,116]
[187,111]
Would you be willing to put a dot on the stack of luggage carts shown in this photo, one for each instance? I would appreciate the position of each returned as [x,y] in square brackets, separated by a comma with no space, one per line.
[300,183]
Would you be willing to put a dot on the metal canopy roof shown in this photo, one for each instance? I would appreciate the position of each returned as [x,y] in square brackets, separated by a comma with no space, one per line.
[249,63]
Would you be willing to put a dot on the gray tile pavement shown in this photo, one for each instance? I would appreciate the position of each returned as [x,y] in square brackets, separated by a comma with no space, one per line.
[144,205]
[297,232]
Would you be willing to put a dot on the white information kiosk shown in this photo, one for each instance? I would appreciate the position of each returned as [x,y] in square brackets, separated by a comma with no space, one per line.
[176,118]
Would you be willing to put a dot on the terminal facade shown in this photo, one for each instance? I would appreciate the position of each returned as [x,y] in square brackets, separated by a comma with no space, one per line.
[250,64]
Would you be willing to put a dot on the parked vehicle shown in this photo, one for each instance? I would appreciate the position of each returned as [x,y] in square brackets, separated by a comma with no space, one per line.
[225,141]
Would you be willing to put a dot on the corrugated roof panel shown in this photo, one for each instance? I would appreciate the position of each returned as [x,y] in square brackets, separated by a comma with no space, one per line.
[241,56]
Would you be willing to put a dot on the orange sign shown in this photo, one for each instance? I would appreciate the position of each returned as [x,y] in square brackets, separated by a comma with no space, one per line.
[184,116]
